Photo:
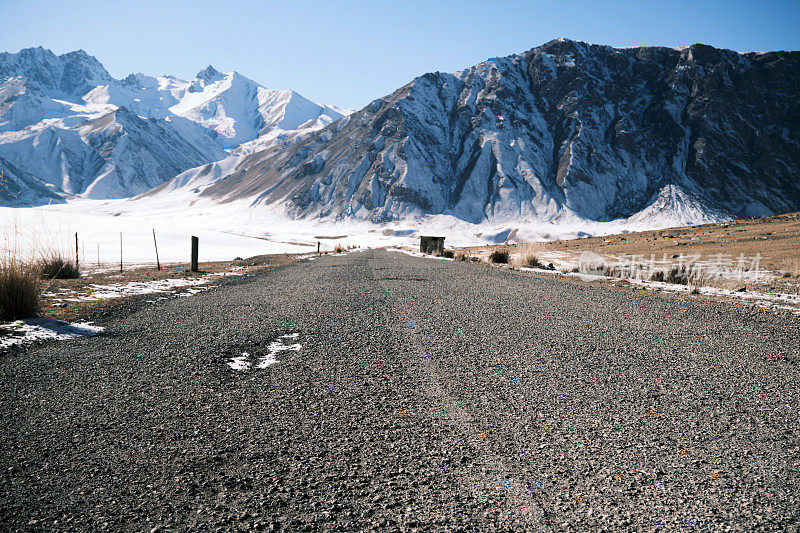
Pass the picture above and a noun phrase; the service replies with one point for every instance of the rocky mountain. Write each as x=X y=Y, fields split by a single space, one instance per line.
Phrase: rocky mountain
x=567 y=130
x=67 y=125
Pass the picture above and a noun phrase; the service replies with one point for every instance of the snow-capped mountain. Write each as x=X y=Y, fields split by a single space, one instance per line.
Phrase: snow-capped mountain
x=66 y=124
x=232 y=108
x=567 y=130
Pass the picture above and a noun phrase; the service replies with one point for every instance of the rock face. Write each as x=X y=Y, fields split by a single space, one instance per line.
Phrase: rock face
x=566 y=130
x=67 y=128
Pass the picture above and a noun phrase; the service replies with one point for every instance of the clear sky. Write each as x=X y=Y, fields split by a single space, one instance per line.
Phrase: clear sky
x=348 y=52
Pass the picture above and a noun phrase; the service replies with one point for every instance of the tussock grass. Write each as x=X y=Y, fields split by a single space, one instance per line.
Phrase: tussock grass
x=20 y=290
x=532 y=261
x=55 y=266
x=339 y=249
x=529 y=256
x=448 y=254
x=680 y=275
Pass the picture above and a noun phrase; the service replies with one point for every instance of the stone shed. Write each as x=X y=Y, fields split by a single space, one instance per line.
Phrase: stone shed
x=431 y=245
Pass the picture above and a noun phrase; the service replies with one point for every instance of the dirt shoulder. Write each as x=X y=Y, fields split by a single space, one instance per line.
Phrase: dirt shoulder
x=102 y=289
x=768 y=247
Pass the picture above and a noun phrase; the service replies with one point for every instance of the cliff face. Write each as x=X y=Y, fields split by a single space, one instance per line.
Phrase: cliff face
x=567 y=129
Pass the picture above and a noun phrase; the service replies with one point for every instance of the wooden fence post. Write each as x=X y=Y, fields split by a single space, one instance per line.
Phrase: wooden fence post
x=158 y=263
x=120 y=251
x=76 y=250
x=195 y=246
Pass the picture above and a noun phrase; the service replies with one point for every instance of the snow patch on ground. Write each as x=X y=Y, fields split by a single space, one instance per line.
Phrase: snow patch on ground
x=135 y=288
x=787 y=302
x=33 y=330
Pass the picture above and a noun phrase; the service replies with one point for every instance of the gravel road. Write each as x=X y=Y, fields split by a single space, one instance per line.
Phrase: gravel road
x=427 y=394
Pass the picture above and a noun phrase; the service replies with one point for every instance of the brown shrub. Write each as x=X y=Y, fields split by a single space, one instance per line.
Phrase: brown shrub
x=499 y=256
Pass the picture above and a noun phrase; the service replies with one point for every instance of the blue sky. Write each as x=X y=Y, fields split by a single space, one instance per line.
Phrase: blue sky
x=346 y=52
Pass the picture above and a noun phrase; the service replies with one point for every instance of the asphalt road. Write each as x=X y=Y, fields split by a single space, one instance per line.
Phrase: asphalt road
x=427 y=394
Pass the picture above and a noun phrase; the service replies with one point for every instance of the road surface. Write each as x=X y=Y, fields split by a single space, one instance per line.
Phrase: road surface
x=426 y=394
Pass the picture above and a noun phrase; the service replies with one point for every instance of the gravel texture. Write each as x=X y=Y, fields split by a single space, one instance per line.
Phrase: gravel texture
x=427 y=394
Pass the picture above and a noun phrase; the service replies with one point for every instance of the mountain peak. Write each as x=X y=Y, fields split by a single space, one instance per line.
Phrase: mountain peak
x=210 y=74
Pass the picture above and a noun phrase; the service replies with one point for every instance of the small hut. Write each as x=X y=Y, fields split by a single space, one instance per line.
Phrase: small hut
x=431 y=245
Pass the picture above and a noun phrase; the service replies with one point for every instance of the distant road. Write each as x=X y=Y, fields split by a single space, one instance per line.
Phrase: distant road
x=428 y=394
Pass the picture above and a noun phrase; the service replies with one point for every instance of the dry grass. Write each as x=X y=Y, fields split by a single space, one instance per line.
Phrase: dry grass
x=339 y=249
x=55 y=266
x=20 y=290
x=448 y=254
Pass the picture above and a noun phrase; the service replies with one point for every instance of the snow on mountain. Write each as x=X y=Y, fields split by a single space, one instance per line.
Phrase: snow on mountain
x=18 y=188
x=232 y=108
x=565 y=131
x=238 y=110
x=65 y=77
x=66 y=121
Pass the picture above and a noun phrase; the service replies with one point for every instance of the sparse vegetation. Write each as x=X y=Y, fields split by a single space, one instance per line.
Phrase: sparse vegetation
x=499 y=256
x=55 y=266
x=448 y=254
x=339 y=249
x=20 y=290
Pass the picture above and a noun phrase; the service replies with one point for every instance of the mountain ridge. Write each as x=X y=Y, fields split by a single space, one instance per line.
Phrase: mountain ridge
x=565 y=129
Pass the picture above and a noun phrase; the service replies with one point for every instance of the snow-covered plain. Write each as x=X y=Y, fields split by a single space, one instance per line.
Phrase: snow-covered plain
x=238 y=229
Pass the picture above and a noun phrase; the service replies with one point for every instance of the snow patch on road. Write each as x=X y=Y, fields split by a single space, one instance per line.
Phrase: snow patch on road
x=241 y=362
x=42 y=329
x=244 y=362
